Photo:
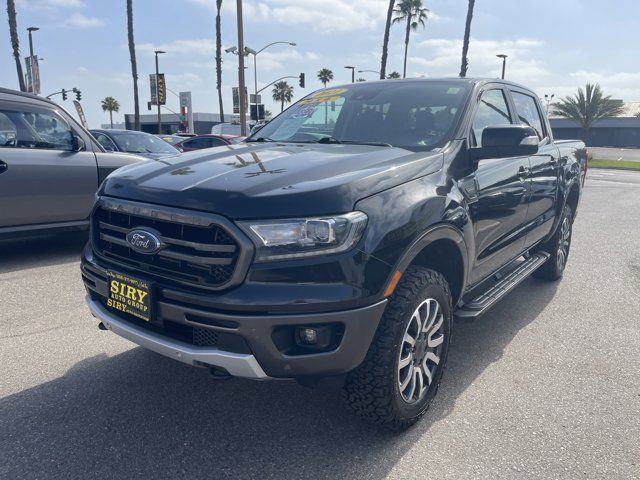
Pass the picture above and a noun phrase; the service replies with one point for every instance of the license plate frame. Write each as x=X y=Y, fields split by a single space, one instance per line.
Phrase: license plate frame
x=131 y=295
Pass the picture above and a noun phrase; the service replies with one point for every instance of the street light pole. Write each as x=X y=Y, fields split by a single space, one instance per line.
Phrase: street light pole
x=158 y=52
x=369 y=71
x=255 y=66
x=31 y=30
x=353 y=73
x=549 y=98
x=504 y=62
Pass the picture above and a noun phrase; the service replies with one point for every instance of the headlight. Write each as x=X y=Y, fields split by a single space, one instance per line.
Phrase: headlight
x=304 y=237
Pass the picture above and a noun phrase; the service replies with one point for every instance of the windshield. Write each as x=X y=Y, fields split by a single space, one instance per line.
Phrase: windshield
x=173 y=139
x=137 y=142
x=416 y=115
x=226 y=129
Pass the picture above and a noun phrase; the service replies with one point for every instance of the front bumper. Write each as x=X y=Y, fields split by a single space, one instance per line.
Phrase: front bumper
x=261 y=357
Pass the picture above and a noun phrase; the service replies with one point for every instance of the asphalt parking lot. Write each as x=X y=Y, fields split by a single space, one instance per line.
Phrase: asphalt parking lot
x=545 y=386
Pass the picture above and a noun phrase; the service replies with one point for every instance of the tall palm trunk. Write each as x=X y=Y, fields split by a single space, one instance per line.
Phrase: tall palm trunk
x=465 y=43
x=385 y=42
x=282 y=105
x=406 y=45
x=111 y=118
x=219 y=59
x=134 y=67
x=15 y=42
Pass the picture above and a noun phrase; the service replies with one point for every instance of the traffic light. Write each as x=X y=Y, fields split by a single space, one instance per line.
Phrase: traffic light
x=302 y=80
x=64 y=94
x=78 y=95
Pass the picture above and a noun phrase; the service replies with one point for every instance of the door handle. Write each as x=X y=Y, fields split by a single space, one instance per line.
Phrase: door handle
x=3 y=167
x=524 y=172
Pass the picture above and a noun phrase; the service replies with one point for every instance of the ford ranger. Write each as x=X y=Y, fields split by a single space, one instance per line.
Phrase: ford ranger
x=339 y=241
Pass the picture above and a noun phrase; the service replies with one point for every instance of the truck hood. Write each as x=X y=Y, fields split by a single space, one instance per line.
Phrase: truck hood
x=270 y=180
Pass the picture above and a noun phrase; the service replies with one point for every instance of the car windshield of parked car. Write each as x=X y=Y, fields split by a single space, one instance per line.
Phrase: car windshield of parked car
x=136 y=142
x=415 y=115
x=226 y=129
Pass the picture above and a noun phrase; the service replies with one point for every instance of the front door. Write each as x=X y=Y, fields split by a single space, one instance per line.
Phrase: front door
x=42 y=179
x=499 y=211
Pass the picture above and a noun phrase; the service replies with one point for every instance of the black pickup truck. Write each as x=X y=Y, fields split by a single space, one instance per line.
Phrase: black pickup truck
x=339 y=242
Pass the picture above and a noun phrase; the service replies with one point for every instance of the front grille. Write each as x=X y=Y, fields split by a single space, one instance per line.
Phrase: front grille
x=200 y=253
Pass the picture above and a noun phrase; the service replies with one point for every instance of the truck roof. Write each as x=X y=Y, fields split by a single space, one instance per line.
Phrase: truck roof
x=466 y=80
x=25 y=95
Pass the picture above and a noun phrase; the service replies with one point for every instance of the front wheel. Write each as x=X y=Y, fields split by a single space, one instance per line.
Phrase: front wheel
x=403 y=368
x=558 y=247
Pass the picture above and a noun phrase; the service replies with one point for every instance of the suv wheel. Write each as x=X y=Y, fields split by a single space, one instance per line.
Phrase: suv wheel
x=403 y=368
x=559 y=247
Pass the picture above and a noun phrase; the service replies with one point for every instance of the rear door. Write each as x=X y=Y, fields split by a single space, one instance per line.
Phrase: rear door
x=42 y=179
x=544 y=170
x=499 y=211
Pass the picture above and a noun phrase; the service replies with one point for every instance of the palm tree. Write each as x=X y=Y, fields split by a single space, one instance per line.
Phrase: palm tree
x=110 y=104
x=393 y=75
x=282 y=92
x=385 y=41
x=587 y=107
x=15 y=42
x=134 y=67
x=219 y=58
x=465 y=42
x=415 y=15
x=325 y=76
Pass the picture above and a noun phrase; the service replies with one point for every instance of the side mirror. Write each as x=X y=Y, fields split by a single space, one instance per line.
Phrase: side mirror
x=509 y=141
x=77 y=143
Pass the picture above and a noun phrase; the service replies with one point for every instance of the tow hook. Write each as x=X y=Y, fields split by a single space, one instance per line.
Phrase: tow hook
x=219 y=374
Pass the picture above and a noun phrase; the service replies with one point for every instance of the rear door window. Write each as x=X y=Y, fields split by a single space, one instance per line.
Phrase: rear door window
x=528 y=113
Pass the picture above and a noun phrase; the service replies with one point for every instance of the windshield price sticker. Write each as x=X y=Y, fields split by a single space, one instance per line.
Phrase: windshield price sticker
x=331 y=95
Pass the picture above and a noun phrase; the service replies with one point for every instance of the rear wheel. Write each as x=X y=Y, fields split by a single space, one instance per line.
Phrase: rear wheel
x=558 y=247
x=404 y=365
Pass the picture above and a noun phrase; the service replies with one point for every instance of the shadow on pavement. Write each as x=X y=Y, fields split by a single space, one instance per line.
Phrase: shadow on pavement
x=139 y=415
x=41 y=251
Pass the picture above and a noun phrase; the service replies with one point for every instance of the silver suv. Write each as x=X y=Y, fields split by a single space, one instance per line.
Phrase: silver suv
x=50 y=167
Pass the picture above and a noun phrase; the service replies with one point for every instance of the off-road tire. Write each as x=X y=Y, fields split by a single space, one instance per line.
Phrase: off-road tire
x=554 y=267
x=372 y=390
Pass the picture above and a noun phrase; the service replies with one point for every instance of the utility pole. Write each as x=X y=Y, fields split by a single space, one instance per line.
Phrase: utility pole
x=242 y=92
x=158 y=52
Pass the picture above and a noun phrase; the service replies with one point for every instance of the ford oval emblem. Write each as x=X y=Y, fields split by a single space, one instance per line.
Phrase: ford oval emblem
x=144 y=241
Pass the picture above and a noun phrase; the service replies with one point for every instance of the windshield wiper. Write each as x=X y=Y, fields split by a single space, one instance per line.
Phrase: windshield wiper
x=330 y=139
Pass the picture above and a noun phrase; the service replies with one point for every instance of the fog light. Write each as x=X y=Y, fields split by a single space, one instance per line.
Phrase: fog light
x=308 y=336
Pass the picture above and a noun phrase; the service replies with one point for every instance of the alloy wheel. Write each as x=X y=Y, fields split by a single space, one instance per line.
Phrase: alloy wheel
x=565 y=241
x=421 y=350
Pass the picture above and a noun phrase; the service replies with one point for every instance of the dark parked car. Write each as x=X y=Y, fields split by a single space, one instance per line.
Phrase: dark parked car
x=203 y=141
x=130 y=141
x=337 y=244
x=50 y=167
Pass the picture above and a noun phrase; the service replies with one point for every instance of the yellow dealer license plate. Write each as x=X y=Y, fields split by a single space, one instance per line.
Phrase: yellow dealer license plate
x=129 y=295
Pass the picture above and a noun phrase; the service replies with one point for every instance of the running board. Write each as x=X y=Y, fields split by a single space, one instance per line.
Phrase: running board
x=488 y=299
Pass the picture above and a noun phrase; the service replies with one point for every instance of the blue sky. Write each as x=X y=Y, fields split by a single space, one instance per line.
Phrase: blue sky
x=553 y=45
